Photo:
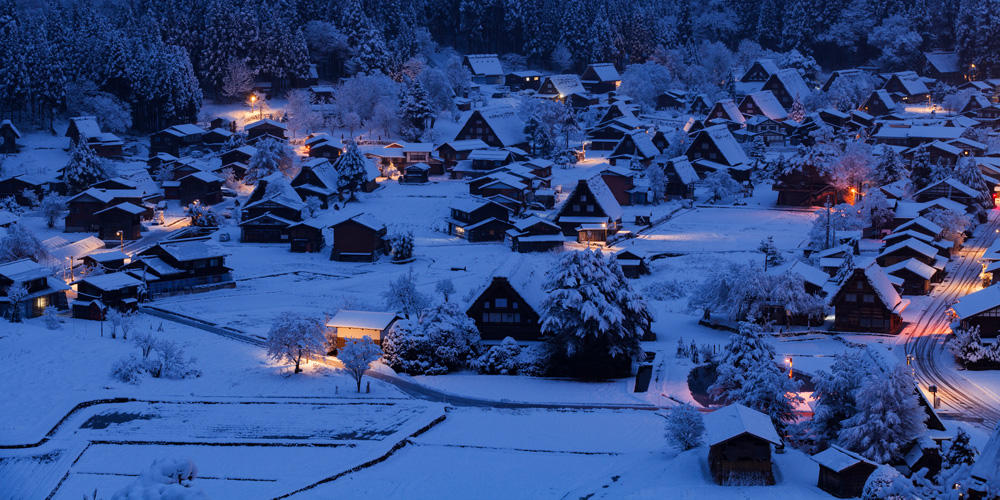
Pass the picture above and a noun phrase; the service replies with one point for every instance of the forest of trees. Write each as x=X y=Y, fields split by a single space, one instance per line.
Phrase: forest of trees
x=155 y=58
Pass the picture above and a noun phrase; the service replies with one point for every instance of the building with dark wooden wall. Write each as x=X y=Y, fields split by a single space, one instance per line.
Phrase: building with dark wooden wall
x=43 y=288
x=739 y=441
x=179 y=267
x=868 y=302
x=8 y=137
x=843 y=473
x=361 y=238
x=501 y=310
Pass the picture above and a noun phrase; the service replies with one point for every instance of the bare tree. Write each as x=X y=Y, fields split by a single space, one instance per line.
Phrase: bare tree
x=238 y=81
x=293 y=337
x=358 y=355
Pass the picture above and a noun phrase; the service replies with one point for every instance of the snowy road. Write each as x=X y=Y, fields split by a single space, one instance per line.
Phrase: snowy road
x=925 y=338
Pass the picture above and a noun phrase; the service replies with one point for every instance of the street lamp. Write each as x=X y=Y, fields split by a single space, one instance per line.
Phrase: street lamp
x=788 y=361
x=253 y=99
x=121 y=238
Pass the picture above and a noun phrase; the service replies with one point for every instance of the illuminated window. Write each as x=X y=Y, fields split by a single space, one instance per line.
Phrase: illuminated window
x=41 y=302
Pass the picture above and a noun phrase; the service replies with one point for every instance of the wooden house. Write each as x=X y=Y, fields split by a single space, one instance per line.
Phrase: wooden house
x=805 y=185
x=879 y=103
x=111 y=260
x=861 y=76
x=739 y=441
x=980 y=309
x=356 y=325
x=241 y=154
x=361 y=238
x=327 y=148
x=788 y=86
x=763 y=103
x=120 y=222
x=454 y=151
x=911 y=248
x=83 y=208
x=502 y=184
x=418 y=173
x=203 y=187
x=508 y=307
x=17 y=186
x=172 y=139
x=523 y=80
x=8 y=137
x=943 y=66
x=867 y=301
x=621 y=181
x=909 y=135
x=728 y=110
x=759 y=71
x=560 y=87
x=317 y=179
x=181 y=267
x=43 y=288
x=485 y=68
x=119 y=291
x=591 y=212
x=270 y=211
x=921 y=225
x=86 y=129
x=843 y=473
x=266 y=227
x=600 y=78
x=672 y=99
x=680 y=175
x=938 y=152
x=216 y=137
x=468 y=213
x=633 y=264
x=306 y=236
x=265 y=128
x=535 y=234
x=498 y=127
x=715 y=148
x=413 y=153
x=909 y=86
x=635 y=147
x=952 y=189
x=915 y=274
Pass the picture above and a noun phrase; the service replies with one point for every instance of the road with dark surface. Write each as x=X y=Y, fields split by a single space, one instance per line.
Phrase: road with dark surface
x=925 y=338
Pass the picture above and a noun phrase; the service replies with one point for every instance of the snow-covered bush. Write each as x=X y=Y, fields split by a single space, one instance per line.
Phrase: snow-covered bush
x=886 y=483
x=129 y=369
x=501 y=359
x=83 y=169
x=271 y=156
x=358 y=355
x=52 y=206
x=969 y=350
x=21 y=243
x=442 y=340
x=446 y=288
x=16 y=294
x=401 y=245
x=666 y=290
x=202 y=215
x=684 y=427
x=168 y=360
x=721 y=186
x=352 y=169
x=165 y=479
x=294 y=337
x=592 y=318
x=51 y=318
x=836 y=391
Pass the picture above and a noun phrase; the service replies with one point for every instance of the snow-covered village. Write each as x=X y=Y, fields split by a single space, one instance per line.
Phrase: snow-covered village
x=494 y=249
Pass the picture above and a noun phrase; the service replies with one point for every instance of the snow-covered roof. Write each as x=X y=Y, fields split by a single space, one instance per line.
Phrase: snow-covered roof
x=124 y=206
x=793 y=83
x=913 y=244
x=466 y=144
x=735 y=420
x=203 y=176
x=643 y=144
x=190 y=250
x=10 y=124
x=954 y=184
x=987 y=466
x=941 y=132
x=106 y=195
x=731 y=110
x=484 y=64
x=526 y=276
x=155 y=264
x=605 y=198
x=489 y=154
x=111 y=281
x=365 y=219
x=23 y=270
x=921 y=222
x=727 y=144
x=839 y=459
x=364 y=320
x=265 y=121
x=809 y=274
x=108 y=256
x=768 y=105
x=566 y=84
x=914 y=266
x=898 y=236
x=188 y=129
x=60 y=249
x=87 y=126
x=504 y=122
x=606 y=72
x=943 y=62
x=977 y=302
x=883 y=287
x=686 y=172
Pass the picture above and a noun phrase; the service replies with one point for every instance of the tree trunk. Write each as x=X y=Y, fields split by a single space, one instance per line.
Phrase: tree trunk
x=358 y=380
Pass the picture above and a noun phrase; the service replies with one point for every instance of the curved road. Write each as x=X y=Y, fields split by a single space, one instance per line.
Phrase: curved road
x=925 y=338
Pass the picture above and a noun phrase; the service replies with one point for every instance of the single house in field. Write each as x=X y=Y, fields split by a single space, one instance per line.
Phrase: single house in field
x=485 y=68
x=868 y=302
x=43 y=289
x=600 y=78
x=8 y=137
x=591 y=212
x=843 y=473
x=359 y=239
x=739 y=441
x=119 y=291
x=980 y=309
x=347 y=324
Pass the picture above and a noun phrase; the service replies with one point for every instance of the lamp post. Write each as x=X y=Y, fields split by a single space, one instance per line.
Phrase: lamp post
x=121 y=238
x=788 y=360
x=253 y=99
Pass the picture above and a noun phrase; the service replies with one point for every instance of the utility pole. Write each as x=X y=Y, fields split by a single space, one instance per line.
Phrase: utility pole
x=828 y=210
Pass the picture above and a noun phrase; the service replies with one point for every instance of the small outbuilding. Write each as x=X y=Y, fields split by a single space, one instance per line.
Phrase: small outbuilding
x=359 y=239
x=843 y=473
x=347 y=324
x=739 y=441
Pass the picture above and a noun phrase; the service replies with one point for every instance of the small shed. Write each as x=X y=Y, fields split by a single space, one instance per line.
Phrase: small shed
x=112 y=259
x=632 y=263
x=418 y=173
x=843 y=473
x=739 y=441
x=120 y=222
x=306 y=236
x=359 y=239
x=348 y=324
x=8 y=137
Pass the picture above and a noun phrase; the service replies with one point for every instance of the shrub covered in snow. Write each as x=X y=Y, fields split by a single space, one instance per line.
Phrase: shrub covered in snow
x=685 y=427
x=165 y=479
x=159 y=359
x=970 y=351
x=442 y=340
x=202 y=215
x=129 y=369
x=401 y=245
x=501 y=359
x=51 y=318
x=21 y=243
x=666 y=290
x=886 y=483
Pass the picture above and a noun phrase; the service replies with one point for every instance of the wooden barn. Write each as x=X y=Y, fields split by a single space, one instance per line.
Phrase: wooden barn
x=356 y=325
x=306 y=236
x=485 y=68
x=739 y=441
x=265 y=128
x=600 y=78
x=8 y=137
x=535 y=234
x=504 y=309
x=361 y=238
x=868 y=302
x=467 y=213
x=204 y=187
x=916 y=276
x=119 y=291
x=843 y=473
x=43 y=288
x=788 y=86
x=591 y=212
x=120 y=222
x=498 y=127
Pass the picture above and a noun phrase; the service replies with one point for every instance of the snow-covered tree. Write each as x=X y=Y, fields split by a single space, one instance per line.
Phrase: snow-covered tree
x=51 y=318
x=202 y=215
x=237 y=82
x=271 y=156
x=83 y=169
x=853 y=169
x=21 y=243
x=403 y=295
x=886 y=483
x=836 y=392
x=645 y=82
x=890 y=167
x=442 y=340
x=401 y=245
x=415 y=107
x=351 y=166
x=968 y=173
x=657 y=183
x=876 y=211
x=721 y=186
x=772 y=256
x=889 y=417
x=684 y=427
x=165 y=479
x=52 y=206
x=357 y=355
x=16 y=294
x=294 y=337
x=969 y=350
x=954 y=224
x=797 y=112
x=84 y=99
x=592 y=318
x=302 y=118
x=898 y=41
x=960 y=451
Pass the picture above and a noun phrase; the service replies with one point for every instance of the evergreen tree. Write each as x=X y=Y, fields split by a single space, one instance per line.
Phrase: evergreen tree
x=960 y=451
x=351 y=166
x=977 y=35
x=772 y=256
x=890 y=167
x=968 y=173
x=889 y=417
x=371 y=53
x=836 y=392
x=83 y=169
x=265 y=161
x=747 y=350
x=798 y=111
x=592 y=318
x=414 y=106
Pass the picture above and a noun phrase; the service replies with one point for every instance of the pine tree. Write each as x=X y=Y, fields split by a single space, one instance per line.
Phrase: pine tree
x=83 y=169
x=772 y=256
x=371 y=54
x=960 y=451
x=798 y=111
x=968 y=173
x=264 y=162
x=889 y=417
x=977 y=35
x=890 y=167
x=592 y=318
x=351 y=166
x=414 y=107
x=836 y=392
x=746 y=350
